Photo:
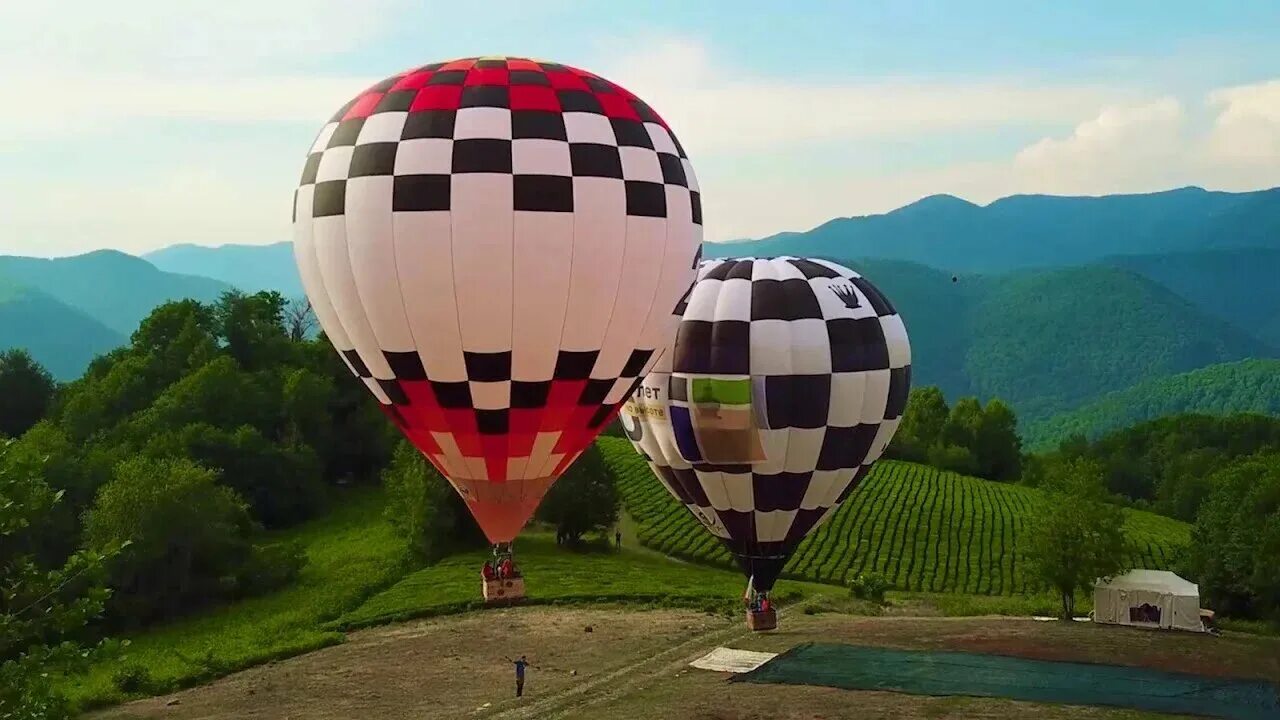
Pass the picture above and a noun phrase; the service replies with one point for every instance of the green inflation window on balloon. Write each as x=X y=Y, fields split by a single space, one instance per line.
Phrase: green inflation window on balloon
x=723 y=392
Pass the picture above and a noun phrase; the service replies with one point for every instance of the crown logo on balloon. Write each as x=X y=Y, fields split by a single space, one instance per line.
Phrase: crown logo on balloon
x=846 y=295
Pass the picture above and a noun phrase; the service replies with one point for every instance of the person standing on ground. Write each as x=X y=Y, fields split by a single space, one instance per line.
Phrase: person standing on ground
x=617 y=538
x=520 y=664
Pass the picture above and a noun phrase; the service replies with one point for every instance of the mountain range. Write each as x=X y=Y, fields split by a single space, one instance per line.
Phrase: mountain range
x=1080 y=312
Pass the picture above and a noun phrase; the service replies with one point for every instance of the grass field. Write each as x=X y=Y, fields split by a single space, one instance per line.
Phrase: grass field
x=351 y=553
x=961 y=534
x=925 y=530
x=557 y=576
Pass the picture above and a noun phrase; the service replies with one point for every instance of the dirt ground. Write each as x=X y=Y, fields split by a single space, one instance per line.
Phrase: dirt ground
x=635 y=665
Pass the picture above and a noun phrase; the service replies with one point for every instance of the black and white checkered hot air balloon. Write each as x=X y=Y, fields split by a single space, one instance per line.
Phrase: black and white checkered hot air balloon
x=787 y=379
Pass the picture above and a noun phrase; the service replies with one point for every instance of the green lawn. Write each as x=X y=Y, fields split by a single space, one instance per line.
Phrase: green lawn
x=555 y=575
x=924 y=529
x=351 y=553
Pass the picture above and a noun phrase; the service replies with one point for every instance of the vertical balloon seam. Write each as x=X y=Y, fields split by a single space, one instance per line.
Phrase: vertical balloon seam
x=334 y=315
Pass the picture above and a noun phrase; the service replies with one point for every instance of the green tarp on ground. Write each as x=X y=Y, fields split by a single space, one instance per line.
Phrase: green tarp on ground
x=855 y=667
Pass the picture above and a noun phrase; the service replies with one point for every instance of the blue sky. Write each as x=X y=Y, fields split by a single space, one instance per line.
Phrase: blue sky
x=143 y=123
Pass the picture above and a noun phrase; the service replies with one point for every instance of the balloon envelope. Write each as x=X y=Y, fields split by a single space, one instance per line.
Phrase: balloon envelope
x=786 y=381
x=495 y=247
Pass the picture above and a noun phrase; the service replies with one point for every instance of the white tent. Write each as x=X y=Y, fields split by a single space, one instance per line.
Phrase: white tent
x=1148 y=598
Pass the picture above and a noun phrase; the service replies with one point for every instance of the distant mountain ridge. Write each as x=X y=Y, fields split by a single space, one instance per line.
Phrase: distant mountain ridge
x=116 y=289
x=248 y=267
x=1024 y=231
x=1047 y=341
x=1115 y=293
x=60 y=338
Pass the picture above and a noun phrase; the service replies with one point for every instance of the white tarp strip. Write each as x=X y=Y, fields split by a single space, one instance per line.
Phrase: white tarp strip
x=729 y=660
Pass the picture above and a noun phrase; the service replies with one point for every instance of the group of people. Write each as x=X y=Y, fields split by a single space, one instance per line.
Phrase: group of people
x=759 y=603
x=500 y=569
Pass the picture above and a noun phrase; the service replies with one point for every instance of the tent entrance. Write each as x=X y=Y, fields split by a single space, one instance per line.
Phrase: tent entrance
x=1145 y=614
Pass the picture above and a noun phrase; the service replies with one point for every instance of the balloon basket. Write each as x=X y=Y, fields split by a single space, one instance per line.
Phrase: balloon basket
x=760 y=620
x=499 y=590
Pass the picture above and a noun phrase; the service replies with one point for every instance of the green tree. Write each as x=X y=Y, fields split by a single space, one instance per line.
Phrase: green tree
x=922 y=423
x=996 y=446
x=281 y=482
x=1077 y=535
x=1235 y=544
x=43 y=608
x=253 y=327
x=422 y=506
x=189 y=535
x=583 y=500
x=26 y=392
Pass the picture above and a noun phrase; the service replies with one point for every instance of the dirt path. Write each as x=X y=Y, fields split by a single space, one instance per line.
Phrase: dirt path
x=633 y=664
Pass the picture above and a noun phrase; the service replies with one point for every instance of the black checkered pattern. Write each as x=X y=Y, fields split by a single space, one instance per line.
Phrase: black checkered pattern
x=441 y=208
x=829 y=361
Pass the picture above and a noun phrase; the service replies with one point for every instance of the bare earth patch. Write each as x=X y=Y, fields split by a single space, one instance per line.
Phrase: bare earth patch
x=634 y=665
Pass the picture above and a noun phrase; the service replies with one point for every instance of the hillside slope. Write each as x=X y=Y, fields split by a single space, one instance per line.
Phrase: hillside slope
x=1036 y=230
x=116 y=289
x=60 y=338
x=1054 y=340
x=1237 y=285
x=1244 y=386
x=924 y=529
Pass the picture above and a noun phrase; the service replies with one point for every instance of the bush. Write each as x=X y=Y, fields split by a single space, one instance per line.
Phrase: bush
x=424 y=508
x=271 y=567
x=189 y=537
x=131 y=679
x=870 y=586
x=583 y=500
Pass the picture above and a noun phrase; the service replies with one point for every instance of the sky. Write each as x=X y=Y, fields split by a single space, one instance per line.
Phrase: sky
x=139 y=124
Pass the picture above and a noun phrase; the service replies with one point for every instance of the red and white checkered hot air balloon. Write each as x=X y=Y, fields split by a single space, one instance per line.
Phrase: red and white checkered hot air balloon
x=495 y=246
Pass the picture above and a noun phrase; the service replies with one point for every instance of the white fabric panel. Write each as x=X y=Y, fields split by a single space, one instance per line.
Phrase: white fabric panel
x=335 y=164
x=895 y=336
x=815 y=495
x=717 y=491
x=330 y=241
x=599 y=238
x=847 y=392
x=738 y=488
x=482 y=259
x=424 y=156
x=646 y=240
x=304 y=253
x=322 y=141
x=424 y=267
x=803 y=448
x=543 y=257
x=482 y=122
x=539 y=156
x=703 y=299
x=733 y=300
x=772 y=526
x=876 y=397
x=774 y=443
x=844 y=271
x=884 y=434
x=641 y=164
x=490 y=395
x=810 y=347
x=661 y=138
x=382 y=127
x=584 y=127
x=371 y=245
x=660 y=327
x=771 y=347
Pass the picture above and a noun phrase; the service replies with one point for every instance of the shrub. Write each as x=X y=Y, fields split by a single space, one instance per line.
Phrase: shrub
x=869 y=586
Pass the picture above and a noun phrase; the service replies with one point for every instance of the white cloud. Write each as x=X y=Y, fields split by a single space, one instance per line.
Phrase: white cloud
x=718 y=110
x=1247 y=129
x=1142 y=147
